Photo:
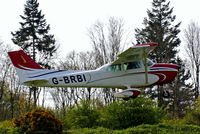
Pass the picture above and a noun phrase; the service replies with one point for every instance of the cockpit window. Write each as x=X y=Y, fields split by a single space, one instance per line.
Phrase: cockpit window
x=114 y=68
x=149 y=62
x=132 y=65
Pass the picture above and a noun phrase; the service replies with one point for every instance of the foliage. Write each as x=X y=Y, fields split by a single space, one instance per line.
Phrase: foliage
x=34 y=34
x=99 y=130
x=182 y=93
x=39 y=121
x=7 y=127
x=34 y=38
x=143 y=129
x=193 y=115
x=160 y=27
x=124 y=114
x=82 y=115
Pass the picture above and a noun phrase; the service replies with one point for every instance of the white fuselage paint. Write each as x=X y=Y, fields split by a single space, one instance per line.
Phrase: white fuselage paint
x=94 y=78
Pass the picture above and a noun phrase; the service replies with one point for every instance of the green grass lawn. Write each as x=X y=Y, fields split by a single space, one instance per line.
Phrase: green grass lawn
x=142 y=129
x=6 y=127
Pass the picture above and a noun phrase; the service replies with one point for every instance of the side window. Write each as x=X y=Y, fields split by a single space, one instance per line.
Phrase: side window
x=114 y=68
x=132 y=65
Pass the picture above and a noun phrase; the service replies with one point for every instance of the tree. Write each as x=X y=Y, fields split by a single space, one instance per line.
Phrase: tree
x=192 y=48
x=34 y=38
x=10 y=91
x=182 y=95
x=64 y=97
x=159 y=27
x=107 y=42
x=4 y=66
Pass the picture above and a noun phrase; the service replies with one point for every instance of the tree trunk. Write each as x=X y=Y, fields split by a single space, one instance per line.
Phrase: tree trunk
x=160 y=97
x=197 y=83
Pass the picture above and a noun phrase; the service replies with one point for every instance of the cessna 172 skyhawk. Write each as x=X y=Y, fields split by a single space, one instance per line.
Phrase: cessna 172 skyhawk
x=131 y=70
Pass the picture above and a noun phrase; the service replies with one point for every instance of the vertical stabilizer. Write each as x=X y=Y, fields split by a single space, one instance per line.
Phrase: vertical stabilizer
x=23 y=64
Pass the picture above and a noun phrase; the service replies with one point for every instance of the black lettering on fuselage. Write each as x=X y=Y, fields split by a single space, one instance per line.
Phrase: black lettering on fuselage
x=79 y=78
x=66 y=79
x=55 y=81
x=70 y=79
x=84 y=77
x=73 y=79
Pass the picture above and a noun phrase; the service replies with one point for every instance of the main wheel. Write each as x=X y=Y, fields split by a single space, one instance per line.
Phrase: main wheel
x=126 y=99
x=165 y=94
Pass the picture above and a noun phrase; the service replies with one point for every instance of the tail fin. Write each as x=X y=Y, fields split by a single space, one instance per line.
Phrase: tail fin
x=23 y=64
x=22 y=61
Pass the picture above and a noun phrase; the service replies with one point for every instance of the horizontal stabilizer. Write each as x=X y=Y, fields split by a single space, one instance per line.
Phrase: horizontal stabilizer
x=36 y=82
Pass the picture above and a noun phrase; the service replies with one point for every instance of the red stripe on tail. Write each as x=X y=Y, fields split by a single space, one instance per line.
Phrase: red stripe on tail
x=22 y=61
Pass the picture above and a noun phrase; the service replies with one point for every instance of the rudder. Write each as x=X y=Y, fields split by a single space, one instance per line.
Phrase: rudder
x=22 y=61
x=24 y=65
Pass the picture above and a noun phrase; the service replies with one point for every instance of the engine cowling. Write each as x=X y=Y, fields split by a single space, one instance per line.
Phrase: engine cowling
x=129 y=93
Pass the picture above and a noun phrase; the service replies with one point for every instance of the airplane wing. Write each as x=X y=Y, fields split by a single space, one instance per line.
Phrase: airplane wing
x=135 y=53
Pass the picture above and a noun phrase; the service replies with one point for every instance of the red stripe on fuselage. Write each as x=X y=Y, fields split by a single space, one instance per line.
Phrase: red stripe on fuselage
x=167 y=75
x=174 y=66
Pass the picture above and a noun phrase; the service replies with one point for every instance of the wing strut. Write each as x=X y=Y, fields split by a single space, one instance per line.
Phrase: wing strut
x=145 y=64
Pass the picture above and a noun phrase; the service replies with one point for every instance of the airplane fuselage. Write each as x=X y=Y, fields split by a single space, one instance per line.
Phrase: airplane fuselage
x=132 y=69
x=157 y=74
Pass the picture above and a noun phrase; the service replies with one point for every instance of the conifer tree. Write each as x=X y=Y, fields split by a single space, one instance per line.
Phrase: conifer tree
x=182 y=92
x=34 y=38
x=160 y=27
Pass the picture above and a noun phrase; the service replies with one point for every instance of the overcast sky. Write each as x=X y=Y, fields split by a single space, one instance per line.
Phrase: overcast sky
x=69 y=19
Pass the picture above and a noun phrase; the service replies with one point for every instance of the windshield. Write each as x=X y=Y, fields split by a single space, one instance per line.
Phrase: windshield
x=113 y=68
x=126 y=66
x=149 y=62
x=132 y=65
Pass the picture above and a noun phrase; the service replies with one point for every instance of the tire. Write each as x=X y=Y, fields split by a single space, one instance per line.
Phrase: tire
x=126 y=99
x=166 y=94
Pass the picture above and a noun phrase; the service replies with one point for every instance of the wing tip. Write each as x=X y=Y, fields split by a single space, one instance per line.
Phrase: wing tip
x=146 y=44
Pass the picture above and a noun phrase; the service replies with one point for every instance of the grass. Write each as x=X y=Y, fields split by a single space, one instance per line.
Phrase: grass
x=6 y=127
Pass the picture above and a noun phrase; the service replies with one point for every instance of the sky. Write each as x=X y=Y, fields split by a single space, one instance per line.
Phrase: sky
x=70 y=19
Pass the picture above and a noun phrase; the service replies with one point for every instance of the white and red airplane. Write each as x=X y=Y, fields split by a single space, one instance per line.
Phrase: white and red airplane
x=131 y=70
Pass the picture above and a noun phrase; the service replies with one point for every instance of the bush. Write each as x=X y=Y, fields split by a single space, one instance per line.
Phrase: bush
x=5 y=126
x=38 y=121
x=83 y=115
x=193 y=115
x=143 y=129
x=99 y=130
x=124 y=114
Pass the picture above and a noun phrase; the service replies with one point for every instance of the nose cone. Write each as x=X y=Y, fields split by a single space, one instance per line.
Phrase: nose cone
x=165 y=72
